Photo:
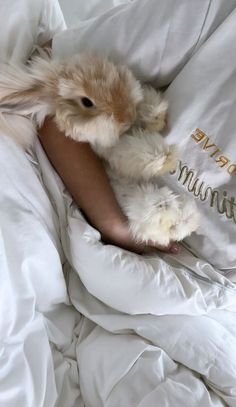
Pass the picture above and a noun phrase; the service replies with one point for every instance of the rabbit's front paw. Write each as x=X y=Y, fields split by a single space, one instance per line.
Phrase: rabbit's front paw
x=171 y=218
x=152 y=111
x=156 y=118
x=187 y=222
x=170 y=159
x=159 y=120
x=152 y=212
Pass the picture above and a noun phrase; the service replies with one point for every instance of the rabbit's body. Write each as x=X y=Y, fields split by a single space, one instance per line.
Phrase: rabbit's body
x=133 y=165
x=95 y=101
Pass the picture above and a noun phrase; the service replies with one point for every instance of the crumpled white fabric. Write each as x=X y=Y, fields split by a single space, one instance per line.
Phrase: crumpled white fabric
x=155 y=321
x=45 y=340
x=38 y=315
x=79 y=10
x=36 y=321
x=83 y=324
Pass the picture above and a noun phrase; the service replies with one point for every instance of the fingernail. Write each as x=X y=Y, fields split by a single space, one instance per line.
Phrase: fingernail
x=175 y=249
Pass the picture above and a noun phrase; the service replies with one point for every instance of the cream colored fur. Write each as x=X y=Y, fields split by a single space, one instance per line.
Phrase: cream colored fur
x=57 y=88
x=95 y=101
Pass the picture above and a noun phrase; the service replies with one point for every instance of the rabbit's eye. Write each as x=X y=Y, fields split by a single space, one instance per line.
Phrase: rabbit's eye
x=86 y=102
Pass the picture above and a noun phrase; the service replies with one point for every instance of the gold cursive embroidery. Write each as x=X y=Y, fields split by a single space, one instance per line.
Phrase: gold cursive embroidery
x=221 y=160
x=224 y=204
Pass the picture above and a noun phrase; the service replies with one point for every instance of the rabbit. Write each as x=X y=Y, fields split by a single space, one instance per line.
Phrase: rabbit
x=93 y=100
x=134 y=164
x=142 y=153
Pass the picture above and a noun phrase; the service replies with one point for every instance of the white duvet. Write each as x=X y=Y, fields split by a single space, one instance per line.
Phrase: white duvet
x=87 y=324
x=141 y=331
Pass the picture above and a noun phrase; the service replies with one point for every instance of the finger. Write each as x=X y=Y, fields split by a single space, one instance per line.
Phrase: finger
x=173 y=248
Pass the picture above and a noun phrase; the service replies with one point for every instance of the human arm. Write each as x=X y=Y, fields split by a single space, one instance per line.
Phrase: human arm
x=84 y=175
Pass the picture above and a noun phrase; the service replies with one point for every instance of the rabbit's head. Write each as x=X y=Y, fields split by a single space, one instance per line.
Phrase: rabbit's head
x=96 y=100
x=92 y=99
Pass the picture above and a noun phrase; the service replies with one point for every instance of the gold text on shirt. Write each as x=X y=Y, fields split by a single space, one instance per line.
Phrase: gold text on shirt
x=224 y=204
x=214 y=151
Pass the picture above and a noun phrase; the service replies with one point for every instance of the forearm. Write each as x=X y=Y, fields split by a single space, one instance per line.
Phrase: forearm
x=83 y=174
x=85 y=178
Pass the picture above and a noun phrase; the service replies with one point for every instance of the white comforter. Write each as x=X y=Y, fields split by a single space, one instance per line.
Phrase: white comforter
x=153 y=332
x=83 y=324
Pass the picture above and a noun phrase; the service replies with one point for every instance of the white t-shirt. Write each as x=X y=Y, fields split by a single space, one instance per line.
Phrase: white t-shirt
x=191 y=47
x=203 y=123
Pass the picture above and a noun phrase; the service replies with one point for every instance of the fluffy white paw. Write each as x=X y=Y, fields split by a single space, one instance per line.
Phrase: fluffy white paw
x=141 y=155
x=152 y=112
x=158 y=119
x=159 y=215
x=187 y=222
x=170 y=159
x=151 y=211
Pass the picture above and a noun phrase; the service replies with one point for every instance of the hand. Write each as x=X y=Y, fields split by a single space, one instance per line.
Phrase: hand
x=118 y=233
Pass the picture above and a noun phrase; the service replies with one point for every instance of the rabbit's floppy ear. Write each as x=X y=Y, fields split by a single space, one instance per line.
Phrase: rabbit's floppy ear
x=68 y=90
x=19 y=91
x=17 y=104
